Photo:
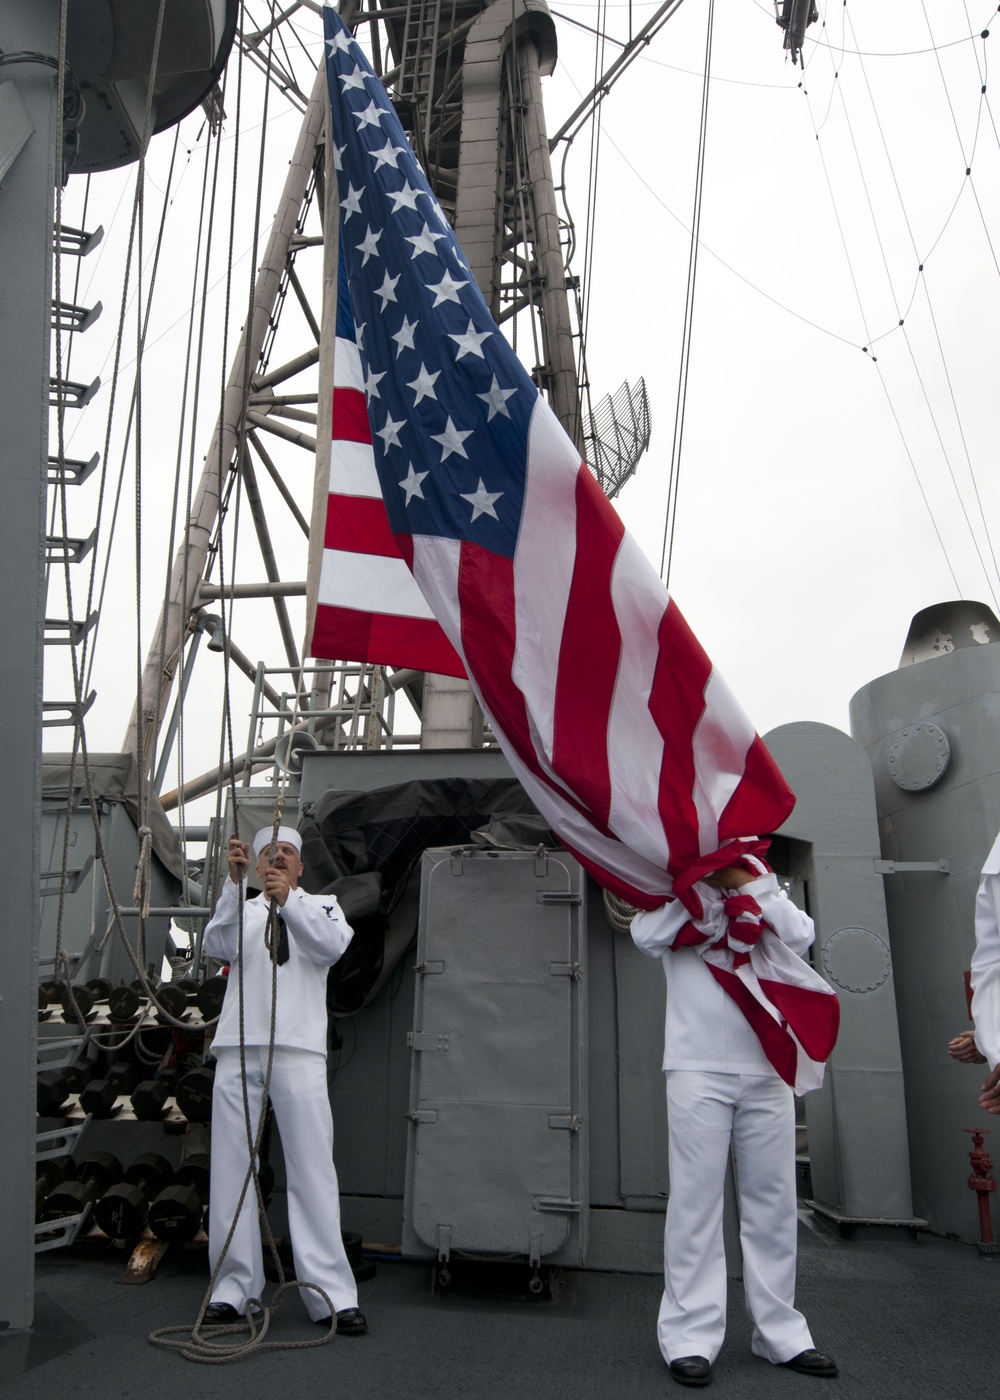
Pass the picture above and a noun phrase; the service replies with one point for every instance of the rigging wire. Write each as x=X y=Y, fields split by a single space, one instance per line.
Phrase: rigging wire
x=673 y=480
x=901 y=326
x=921 y=281
x=967 y=161
x=861 y=312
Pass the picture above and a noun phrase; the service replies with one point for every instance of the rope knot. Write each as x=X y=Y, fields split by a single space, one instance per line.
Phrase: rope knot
x=143 y=871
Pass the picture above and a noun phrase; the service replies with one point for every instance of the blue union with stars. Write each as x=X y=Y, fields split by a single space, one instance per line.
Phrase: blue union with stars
x=449 y=402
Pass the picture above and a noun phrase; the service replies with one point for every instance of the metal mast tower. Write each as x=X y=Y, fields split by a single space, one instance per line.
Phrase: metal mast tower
x=465 y=79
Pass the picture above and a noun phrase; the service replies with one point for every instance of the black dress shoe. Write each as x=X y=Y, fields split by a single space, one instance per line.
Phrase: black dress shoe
x=222 y=1312
x=351 y=1322
x=812 y=1363
x=691 y=1370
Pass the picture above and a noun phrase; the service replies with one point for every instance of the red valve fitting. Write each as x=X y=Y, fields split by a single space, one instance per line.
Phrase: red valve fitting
x=980 y=1182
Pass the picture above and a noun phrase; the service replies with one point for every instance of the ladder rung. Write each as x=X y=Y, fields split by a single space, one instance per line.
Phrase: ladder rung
x=73 y=713
x=71 y=470
x=70 y=393
x=63 y=549
x=75 y=631
x=68 y=317
x=75 y=241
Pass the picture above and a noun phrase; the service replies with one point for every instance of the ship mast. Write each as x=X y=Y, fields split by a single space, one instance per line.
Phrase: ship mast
x=470 y=97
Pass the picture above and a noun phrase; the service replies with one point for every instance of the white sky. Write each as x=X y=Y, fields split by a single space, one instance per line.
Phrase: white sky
x=804 y=545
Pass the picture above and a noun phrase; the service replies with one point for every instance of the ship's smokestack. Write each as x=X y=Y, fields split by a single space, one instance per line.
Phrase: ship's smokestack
x=946 y=627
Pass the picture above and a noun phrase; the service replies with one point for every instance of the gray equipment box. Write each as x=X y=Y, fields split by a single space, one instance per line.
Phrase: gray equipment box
x=496 y=1159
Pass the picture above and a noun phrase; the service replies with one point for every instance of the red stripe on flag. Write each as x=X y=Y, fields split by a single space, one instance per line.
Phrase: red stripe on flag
x=359 y=525
x=813 y=1016
x=384 y=640
x=350 y=416
x=404 y=547
x=589 y=653
x=777 y=1044
x=486 y=606
x=676 y=702
x=762 y=797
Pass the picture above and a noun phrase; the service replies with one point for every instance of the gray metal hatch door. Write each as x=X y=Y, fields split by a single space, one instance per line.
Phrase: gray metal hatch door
x=495 y=1150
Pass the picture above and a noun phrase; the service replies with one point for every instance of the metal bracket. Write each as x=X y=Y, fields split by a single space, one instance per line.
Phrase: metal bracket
x=541 y=862
x=535 y=1248
x=443 y=1243
x=558 y=897
x=427 y=1040
x=557 y=1205
x=429 y=969
x=569 y=1122
x=573 y=970
x=457 y=861
x=422 y=1115
x=903 y=867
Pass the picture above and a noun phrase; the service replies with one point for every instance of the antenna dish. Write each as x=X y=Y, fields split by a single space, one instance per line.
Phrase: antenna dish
x=618 y=436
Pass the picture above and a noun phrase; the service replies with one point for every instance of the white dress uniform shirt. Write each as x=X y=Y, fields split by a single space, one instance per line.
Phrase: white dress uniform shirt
x=318 y=936
x=705 y=1029
x=986 y=960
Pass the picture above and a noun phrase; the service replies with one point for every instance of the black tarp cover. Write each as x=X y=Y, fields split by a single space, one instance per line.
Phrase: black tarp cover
x=363 y=847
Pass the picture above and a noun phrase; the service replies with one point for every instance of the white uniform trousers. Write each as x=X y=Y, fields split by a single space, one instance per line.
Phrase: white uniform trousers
x=302 y=1108
x=756 y=1113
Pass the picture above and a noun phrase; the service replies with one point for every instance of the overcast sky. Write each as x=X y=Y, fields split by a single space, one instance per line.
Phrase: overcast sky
x=837 y=468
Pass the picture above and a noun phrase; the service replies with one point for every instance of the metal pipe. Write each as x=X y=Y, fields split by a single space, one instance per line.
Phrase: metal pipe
x=168 y=743
x=562 y=382
x=211 y=592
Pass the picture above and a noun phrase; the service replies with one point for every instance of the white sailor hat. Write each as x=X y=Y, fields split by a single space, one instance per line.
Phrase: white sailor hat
x=285 y=833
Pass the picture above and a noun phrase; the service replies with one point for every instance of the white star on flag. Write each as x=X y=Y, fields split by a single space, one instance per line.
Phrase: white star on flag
x=424 y=241
x=388 y=155
x=411 y=484
x=497 y=400
x=390 y=433
x=387 y=291
x=451 y=440
x=340 y=43
x=404 y=336
x=423 y=385
x=368 y=245
x=370 y=116
x=445 y=290
x=351 y=204
x=469 y=343
x=482 y=500
x=371 y=384
x=353 y=80
x=406 y=198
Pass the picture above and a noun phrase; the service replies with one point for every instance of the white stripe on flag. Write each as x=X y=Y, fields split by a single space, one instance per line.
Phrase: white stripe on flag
x=352 y=470
x=722 y=739
x=350 y=580
x=635 y=744
x=347 y=373
x=543 y=568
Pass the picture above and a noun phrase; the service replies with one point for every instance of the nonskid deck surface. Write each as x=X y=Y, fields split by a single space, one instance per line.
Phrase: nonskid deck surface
x=907 y=1320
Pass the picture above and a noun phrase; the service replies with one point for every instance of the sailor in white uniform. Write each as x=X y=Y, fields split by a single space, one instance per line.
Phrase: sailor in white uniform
x=312 y=934
x=722 y=1090
x=982 y=1046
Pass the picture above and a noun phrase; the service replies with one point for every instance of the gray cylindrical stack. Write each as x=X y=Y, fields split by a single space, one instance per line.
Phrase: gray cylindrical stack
x=931 y=730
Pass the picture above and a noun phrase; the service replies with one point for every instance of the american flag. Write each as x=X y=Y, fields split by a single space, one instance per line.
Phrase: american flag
x=610 y=713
